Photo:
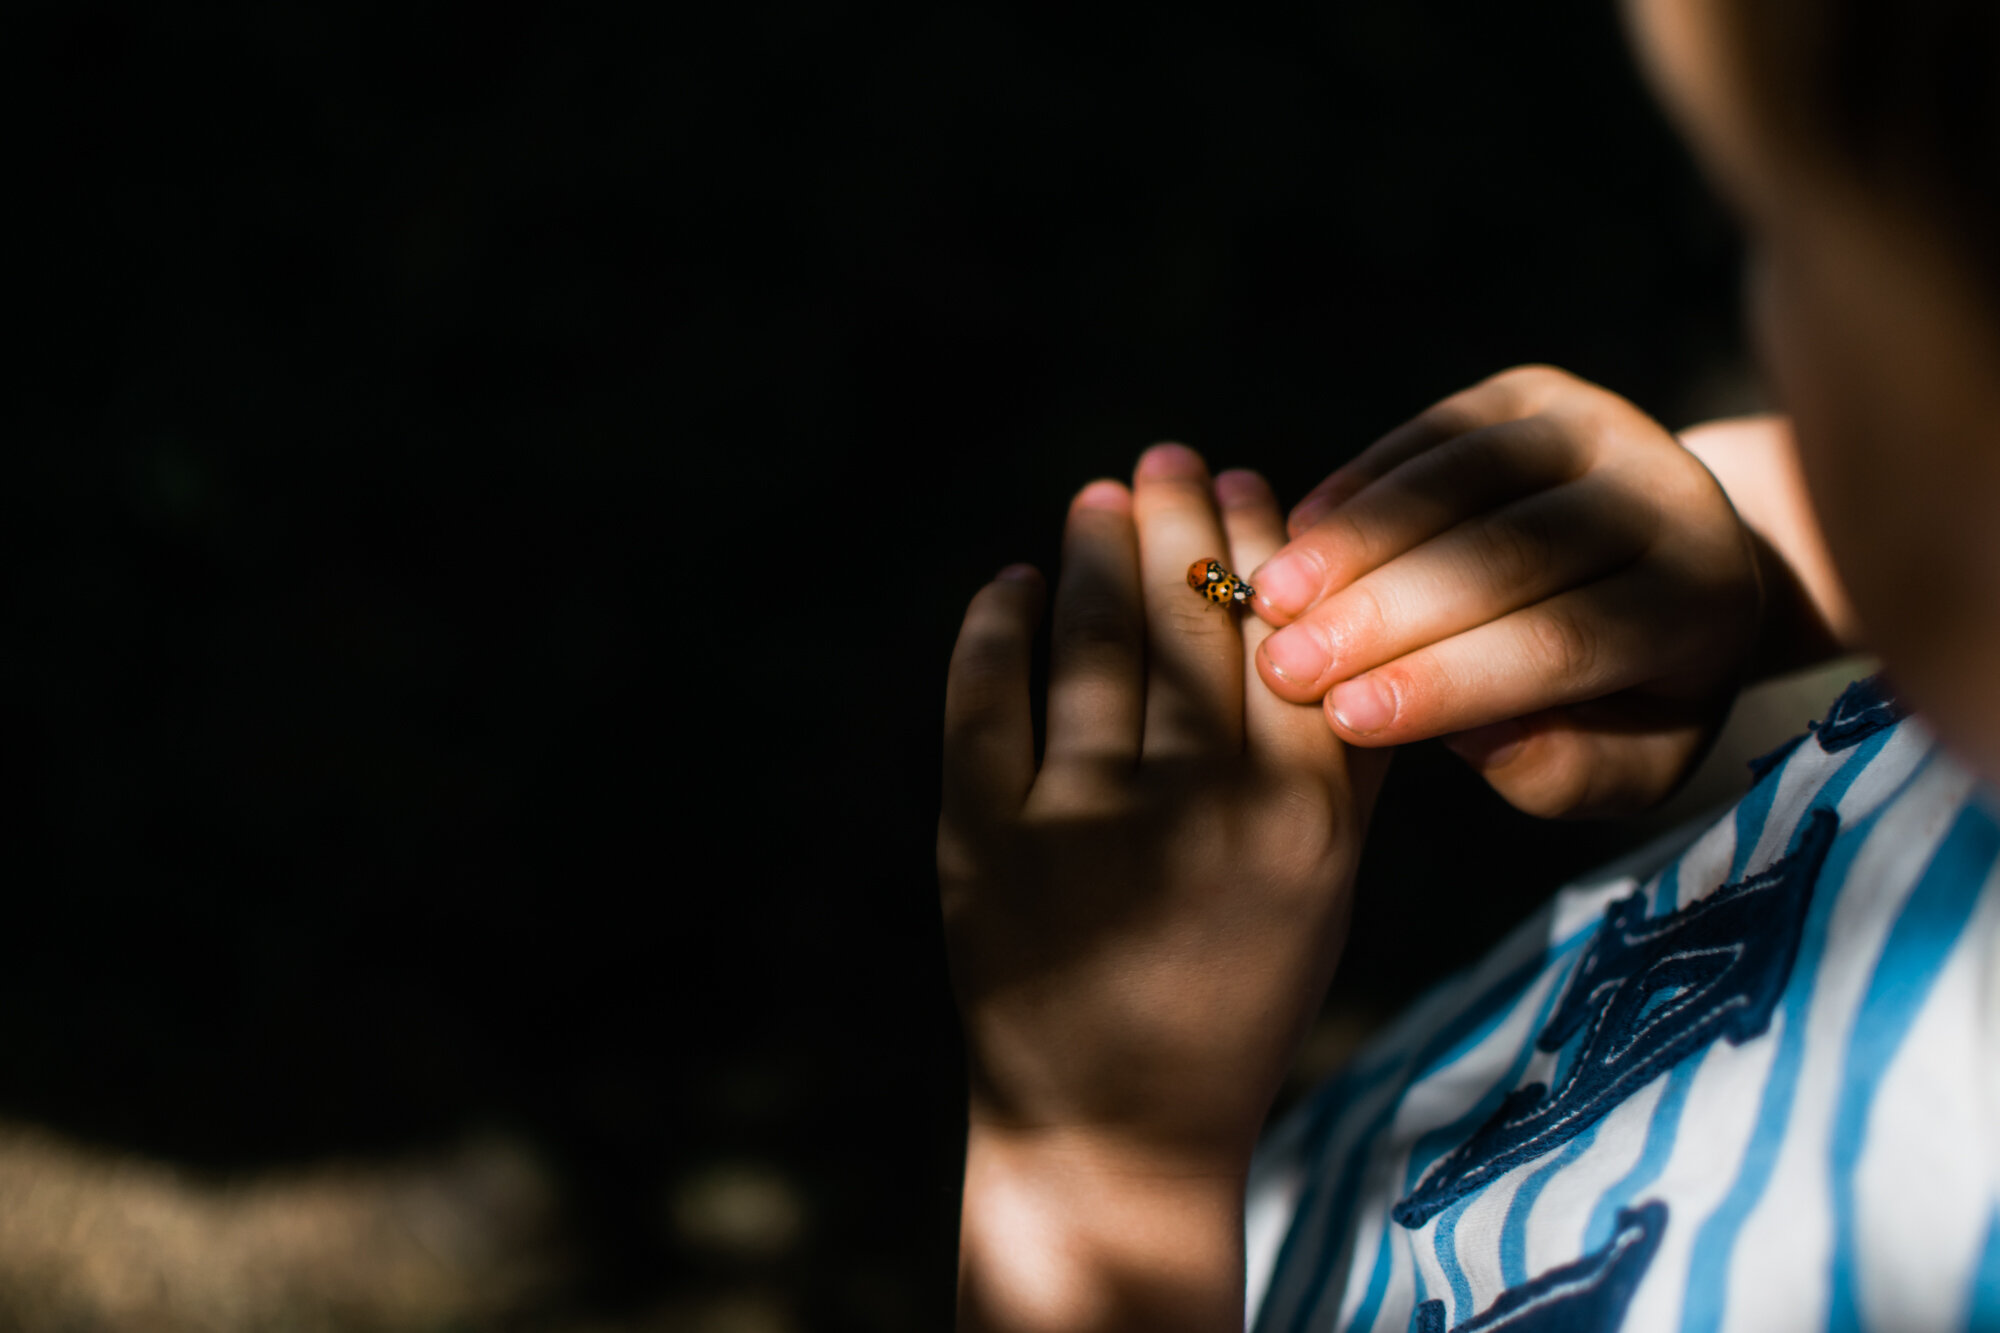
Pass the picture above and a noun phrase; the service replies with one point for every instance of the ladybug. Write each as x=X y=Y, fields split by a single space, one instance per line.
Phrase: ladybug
x=1212 y=581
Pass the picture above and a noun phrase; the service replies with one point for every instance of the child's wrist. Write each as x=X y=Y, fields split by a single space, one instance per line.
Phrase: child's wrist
x=1075 y=1231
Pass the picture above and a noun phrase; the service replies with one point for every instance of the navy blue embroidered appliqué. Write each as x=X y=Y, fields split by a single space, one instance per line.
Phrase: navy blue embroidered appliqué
x=1588 y=1296
x=1647 y=993
x=1863 y=708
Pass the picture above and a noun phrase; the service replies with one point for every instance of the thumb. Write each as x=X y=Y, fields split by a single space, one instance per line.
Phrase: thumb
x=1573 y=762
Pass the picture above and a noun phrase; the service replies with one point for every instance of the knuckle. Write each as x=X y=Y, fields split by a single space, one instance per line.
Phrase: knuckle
x=1528 y=387
x=1552 y=447
x=1083 y=785
x=1562 y=647
x=1361 y=615
x=1478 y=459
x=1496 y=461
x=1541 y=377
x=1685 y=486
x=1514 y=553
x=1523 y=372
x=1597 y=438
x=1306 y=832
x=1455 y=416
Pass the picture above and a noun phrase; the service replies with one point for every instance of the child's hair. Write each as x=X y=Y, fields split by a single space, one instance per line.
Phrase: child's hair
x=1899 y=95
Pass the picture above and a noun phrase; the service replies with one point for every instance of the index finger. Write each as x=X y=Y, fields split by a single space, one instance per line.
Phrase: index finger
x=1272 y=725
x=1427 y=495
x=1508 y=396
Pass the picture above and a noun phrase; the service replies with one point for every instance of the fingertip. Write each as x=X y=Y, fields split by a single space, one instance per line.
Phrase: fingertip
x=1261 y=606
x=1288 y=688
x=1105 y=494
x=1346 y=735
x=1024 y=587
x=1290 y=582
x=1241 y=488
x=1170 y=461
x=1363 y=708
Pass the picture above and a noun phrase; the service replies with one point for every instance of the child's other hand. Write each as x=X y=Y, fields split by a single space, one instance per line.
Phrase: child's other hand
x=1535 y=569
x=1141 y=926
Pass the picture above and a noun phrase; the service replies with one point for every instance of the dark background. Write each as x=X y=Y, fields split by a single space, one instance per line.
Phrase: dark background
x=492 y=493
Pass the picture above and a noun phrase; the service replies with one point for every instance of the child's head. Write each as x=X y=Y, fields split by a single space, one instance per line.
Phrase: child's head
x=1859 y=141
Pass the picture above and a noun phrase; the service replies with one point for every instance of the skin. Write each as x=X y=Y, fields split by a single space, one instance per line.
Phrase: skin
x=1534 y=570
x=1140 y=925
x=1539 y=570
x=1868 y=325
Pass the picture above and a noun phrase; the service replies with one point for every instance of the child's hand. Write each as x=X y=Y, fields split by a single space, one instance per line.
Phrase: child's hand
x=1140 y=927
x=1536 y=566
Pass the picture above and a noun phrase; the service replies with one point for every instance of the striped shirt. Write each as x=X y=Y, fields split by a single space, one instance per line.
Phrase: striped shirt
x=1749 y=1084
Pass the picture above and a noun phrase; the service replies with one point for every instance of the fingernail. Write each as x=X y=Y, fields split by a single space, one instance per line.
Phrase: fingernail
x=1020 y=574
x=1294 y=655
x=1170 y=460
x=1287 y=583
x=1363 y=705
x=1239 y=488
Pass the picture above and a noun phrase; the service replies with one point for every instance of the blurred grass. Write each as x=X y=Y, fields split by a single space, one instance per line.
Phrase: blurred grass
x=94 y=1239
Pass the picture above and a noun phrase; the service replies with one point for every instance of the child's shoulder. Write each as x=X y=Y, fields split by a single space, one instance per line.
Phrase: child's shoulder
x=1766 y=1044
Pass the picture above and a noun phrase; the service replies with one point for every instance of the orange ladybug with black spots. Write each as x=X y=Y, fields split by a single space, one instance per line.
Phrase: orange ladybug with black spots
x=1218 y=585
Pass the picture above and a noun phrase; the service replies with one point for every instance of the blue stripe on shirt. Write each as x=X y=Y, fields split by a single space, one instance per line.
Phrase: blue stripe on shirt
x=1708 y=1264
x=1437 y=1142
x=1514 y=1232
x=1660 y=1135
x=1752 y=812
x=1985 y=1311
x=1471 y=1025
x=1331 y=1107
x=1667 y=891
x=1445 y=1246
x=1925 y=931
